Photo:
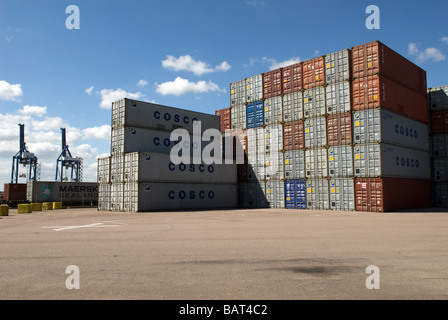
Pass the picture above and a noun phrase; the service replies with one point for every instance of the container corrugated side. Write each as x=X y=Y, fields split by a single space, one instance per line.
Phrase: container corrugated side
x=117 y=197
x=272 y=83
x=273 y=110
x=339 y=129
x=292 y=78
x=75 y=193
x=338 y=98
x=224 y=119
x=292 y=106
x=255 y=114
x=317 y=196
x=275 y=193
x=104 y=169
x=15 y=191
x=293 y=135
x=340 y=161
x=391 y=194
x=294 y=166
x=273 y=138
x=104 y=197
x=315 y=132
x=238 y=117
x=274 y=169
x=314 y=102
x=342 y=194
x=379 y=125
x=338 y=66
x=254 y=88
x=440 y=194
x=256 y=192
x=439 y=169
x=238 y=93
x=316 y=163
x=117 y=168
x=438 y=98
x=295 y=194
x=439 y=145
x=386 y=160
x=313 y=73
x=439 y=121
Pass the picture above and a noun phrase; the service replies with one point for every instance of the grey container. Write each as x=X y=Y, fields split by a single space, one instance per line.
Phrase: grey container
x=238 y=118
x=439 y=194
x=117 y=197
x=274 y=169
x=292 y=106
x=316 y=163
x=315 y=132
x=104 y=197
x=256 y=193
x=294 y=164
x=133 y=113
x=117 y=169
x=439 y=169
x=438 y=98
x=103 y=170
x=337 y=66
x=389 y=161
x=439 y=145
x=273 y=110
x=314 y=102
x=256 y=167
x=251 y=136
x=273 y=138
x=342 y=194
x=338 y=98
x=157 y=167
x=238 y=93
x=317 y=196
x=159 y=196
x=340 y=161
x=74 y=193
x=275 y=193
x=379 y=125
x=254 y=88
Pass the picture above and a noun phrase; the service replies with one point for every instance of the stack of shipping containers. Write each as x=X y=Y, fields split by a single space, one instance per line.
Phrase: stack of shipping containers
x=344 y=131
x=140 y=174
x=438 y=110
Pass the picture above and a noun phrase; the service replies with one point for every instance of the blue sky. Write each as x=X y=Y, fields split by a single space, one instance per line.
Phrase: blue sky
x=178 y=53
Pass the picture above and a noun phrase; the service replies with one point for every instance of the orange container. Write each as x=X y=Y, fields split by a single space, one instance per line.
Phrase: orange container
x=293 y=136
x=272 y=83
x=224 y=116
x=292 y=78
x=339 y=129
x=313 y=73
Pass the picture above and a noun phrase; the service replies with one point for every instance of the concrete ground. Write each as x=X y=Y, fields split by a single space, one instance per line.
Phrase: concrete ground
x=262 y=254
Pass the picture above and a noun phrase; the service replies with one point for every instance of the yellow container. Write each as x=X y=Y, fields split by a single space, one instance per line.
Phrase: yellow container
x=47 y=206
x=4 y=210
x=24 y=208
x=36 y=206
x=57 y=205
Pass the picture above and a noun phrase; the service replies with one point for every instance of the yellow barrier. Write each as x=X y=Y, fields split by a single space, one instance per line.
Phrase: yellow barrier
x=47 y=206
x=57 y=205
x=36 y=206
x=4 y=210
x=24 y=208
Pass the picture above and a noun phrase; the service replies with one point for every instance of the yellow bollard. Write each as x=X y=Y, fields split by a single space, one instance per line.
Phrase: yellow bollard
x=4 y=210
x=36 y=206
x=24 y=208
x=57 y=205
x=47 y=206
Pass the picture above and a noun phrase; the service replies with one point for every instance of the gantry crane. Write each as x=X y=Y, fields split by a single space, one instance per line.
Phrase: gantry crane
x=65 y=160
x=25 y=158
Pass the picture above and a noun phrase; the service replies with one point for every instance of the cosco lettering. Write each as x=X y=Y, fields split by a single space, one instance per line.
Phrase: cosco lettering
x=176 y=117
x=192 y=194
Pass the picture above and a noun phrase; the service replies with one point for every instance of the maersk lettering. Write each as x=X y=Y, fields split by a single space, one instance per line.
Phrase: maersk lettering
x=89 y=189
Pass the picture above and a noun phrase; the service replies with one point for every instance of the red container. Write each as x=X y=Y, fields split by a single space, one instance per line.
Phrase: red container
x=14 y=192
x=272 y=83
x=224 y=116
x=293 y=136
x=439 y=121
x=376 y=58
x=313 y=73
x=391 y=194
x=339 y=129
x=378 y=91
x=292 y=78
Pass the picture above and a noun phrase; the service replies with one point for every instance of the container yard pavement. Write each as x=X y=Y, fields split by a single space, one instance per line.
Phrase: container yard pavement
x=230 y=254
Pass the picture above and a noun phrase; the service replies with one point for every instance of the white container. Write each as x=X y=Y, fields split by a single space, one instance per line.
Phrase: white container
x=275 y=194
x=254 y=88
x=238 y=117
x=292 y=106
x=389 y=161
x=315 y=132
x=238 y=93
x=317 y=196
x=316 y=163
x=342 y=194
x=379 y=125
x=314 y=102
x=69 y=193
x=338 y=98
x=117 y=197
x=337 y=66
x=251 y=135
x=273 y=110
x=340 y=161
x=294 y=164
x=438 y=98
x=273 y=138
x=104 y=197
x=103 y=170
x=117 y=169
x=274 y=169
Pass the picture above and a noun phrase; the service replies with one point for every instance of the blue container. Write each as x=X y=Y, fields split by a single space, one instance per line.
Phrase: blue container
x=259 y=113
x=250 y=115
x=295 y=194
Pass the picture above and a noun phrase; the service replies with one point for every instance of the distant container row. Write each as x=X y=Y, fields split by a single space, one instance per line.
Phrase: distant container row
x=346 y=65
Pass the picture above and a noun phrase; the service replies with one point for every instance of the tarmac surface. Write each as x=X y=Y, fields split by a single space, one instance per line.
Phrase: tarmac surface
x=267 y=254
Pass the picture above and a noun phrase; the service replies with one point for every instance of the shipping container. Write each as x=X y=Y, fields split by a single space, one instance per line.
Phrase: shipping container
x=440 y=194
x=386 y=160
x=273 y=110
x=236 y=143
x=256 y=195
x=15 y=192
x=238 y=117
x=292 y=107
x=378 y=125
x=251 y=136
x=224 y=119
x=439 y=169
x=439 y=145
x=260 y=167
x=313 y=73
x=293 y=135
x=315 y=132
x=238 y=93
x=314 y=102
x=338 y=98
x=272 y=83
x=342 y=194
x=117 y=197
x=242 y=171
x=338 y=67
x=295 y=194
x=439 y=121
x=294 y=166
x=340 y=161
x=255 y=114
x=438 y=98
x=140 y=114
x=339 y=129
x=377 y=91
x=316 y=163
x=104 y=170
x=292 y=79
x=254 y=88
x=273 y=137
x=69 y=193
x=375 y=58
x=104 y=197
x=391 y=194
x=275 y=194
x=317 y=196
x=117 y=169
x=274 y=169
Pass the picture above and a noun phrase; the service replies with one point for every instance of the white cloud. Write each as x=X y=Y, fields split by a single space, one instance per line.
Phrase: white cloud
x=102 y=132
x=274 y=64
x=316 y=53
x=89 y=90
x=187 y=63
x=181 y=86
x=444 y=40
x=142 y=83
x=48 y=123
x=33 y=111
x=10 y=92
x=109 y=95
x=433 y=54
